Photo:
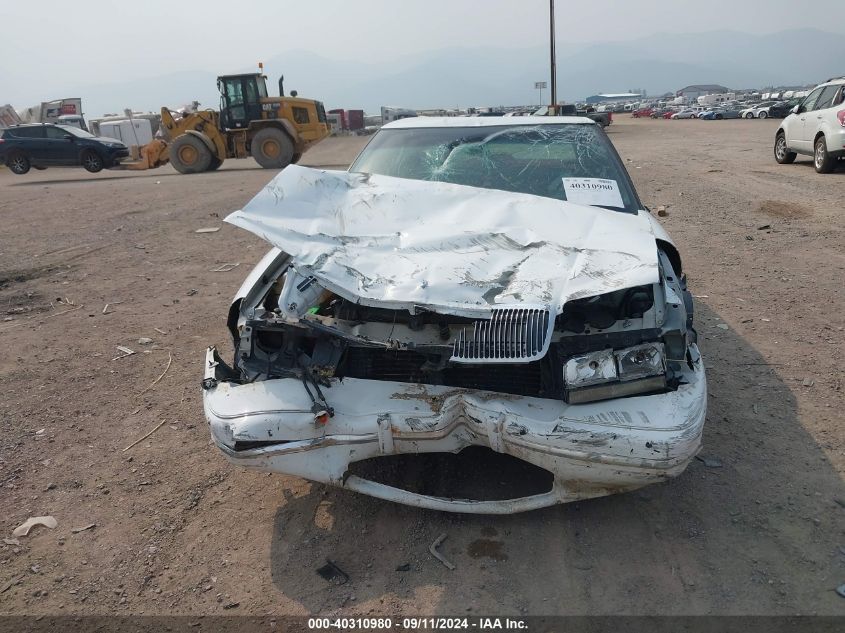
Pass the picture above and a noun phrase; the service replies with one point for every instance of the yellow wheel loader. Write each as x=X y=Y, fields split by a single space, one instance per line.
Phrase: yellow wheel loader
x=275 y=131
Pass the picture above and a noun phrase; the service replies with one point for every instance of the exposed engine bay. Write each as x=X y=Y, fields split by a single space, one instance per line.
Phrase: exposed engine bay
x=626 y=342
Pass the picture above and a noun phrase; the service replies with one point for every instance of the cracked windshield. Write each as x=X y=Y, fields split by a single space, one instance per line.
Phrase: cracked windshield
x=566 y=162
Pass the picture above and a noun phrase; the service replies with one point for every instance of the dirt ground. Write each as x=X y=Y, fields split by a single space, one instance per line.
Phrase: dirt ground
x=92 y=262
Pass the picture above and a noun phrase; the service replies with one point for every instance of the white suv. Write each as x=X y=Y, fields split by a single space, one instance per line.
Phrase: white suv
x=816 y=127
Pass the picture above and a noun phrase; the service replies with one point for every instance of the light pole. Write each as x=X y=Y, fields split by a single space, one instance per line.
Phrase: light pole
x=552 y=54
x=539 y=85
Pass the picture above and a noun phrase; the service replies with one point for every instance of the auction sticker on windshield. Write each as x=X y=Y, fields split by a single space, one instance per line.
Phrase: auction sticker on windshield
x=599 y=192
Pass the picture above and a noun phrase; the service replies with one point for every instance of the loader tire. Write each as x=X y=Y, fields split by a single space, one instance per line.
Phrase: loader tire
x=215 y=163
x=189 y=155
x=272 y=149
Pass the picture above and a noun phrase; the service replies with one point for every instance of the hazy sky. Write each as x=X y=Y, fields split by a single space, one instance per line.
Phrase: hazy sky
x=52 y=46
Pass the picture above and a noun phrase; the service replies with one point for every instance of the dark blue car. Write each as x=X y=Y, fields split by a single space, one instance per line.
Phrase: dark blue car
x=43 y=145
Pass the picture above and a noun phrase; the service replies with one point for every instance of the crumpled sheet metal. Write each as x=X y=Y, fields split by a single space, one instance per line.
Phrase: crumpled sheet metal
x=400 y=243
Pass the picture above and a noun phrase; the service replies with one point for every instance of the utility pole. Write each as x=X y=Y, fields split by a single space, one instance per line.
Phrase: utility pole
x=552 y=54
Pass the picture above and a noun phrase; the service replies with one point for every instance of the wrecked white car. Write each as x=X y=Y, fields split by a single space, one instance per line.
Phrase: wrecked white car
x=468 y=282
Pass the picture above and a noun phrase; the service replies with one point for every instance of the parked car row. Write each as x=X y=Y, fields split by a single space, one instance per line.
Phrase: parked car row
x=714 y=113
x=727 y=110
x=706 y=114
x=720 y=113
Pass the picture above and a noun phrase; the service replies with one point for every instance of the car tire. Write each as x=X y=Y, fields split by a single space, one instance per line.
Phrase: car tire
x=822 y=160
x=749 y=115
x=718 y=117
x=763 y=115
x=18 y=164
x=782 y=154
x=272 y=149
x=91 y=161
x=189 y=154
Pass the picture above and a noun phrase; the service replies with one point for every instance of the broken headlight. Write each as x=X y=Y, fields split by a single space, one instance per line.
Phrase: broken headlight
x=602 y=311
x=615 y=373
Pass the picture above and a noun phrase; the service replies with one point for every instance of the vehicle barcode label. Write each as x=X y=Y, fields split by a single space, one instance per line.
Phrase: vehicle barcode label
x=593 y=191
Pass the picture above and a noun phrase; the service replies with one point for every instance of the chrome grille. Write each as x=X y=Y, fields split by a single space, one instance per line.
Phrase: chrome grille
x=511 y=335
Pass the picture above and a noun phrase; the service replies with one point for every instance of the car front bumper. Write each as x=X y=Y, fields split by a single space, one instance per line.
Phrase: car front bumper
x=591 y=449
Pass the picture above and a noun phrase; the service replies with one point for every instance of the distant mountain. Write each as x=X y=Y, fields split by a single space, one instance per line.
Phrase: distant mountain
x=173 y=90
x=729 y=58
x=498 y=76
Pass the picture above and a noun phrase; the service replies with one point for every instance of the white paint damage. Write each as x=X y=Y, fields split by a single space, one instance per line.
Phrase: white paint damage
x=592 y=449
x=410 y=244
x=450 y=249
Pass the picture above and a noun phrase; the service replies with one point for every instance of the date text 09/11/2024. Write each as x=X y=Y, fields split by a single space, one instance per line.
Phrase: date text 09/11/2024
x=417 y=624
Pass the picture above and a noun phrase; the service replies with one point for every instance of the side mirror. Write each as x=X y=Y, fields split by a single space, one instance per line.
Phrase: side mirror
x=69 y=137
x=796 y=109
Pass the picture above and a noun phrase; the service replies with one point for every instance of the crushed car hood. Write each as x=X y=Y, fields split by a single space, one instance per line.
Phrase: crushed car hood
x=399 y=243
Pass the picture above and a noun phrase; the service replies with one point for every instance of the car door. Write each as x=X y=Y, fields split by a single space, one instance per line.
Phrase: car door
x=30 y=140
x=60 y=147
x=795 y=126
x=815 y=117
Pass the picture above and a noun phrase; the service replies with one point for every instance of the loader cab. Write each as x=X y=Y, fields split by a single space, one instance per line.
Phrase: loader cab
x=240 y=97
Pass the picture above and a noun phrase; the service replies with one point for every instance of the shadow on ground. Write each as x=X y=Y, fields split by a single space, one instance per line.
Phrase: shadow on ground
x=807 y=163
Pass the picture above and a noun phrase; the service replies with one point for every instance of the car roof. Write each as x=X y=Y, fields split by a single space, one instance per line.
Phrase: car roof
x=835 y=81
x=484 y=121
